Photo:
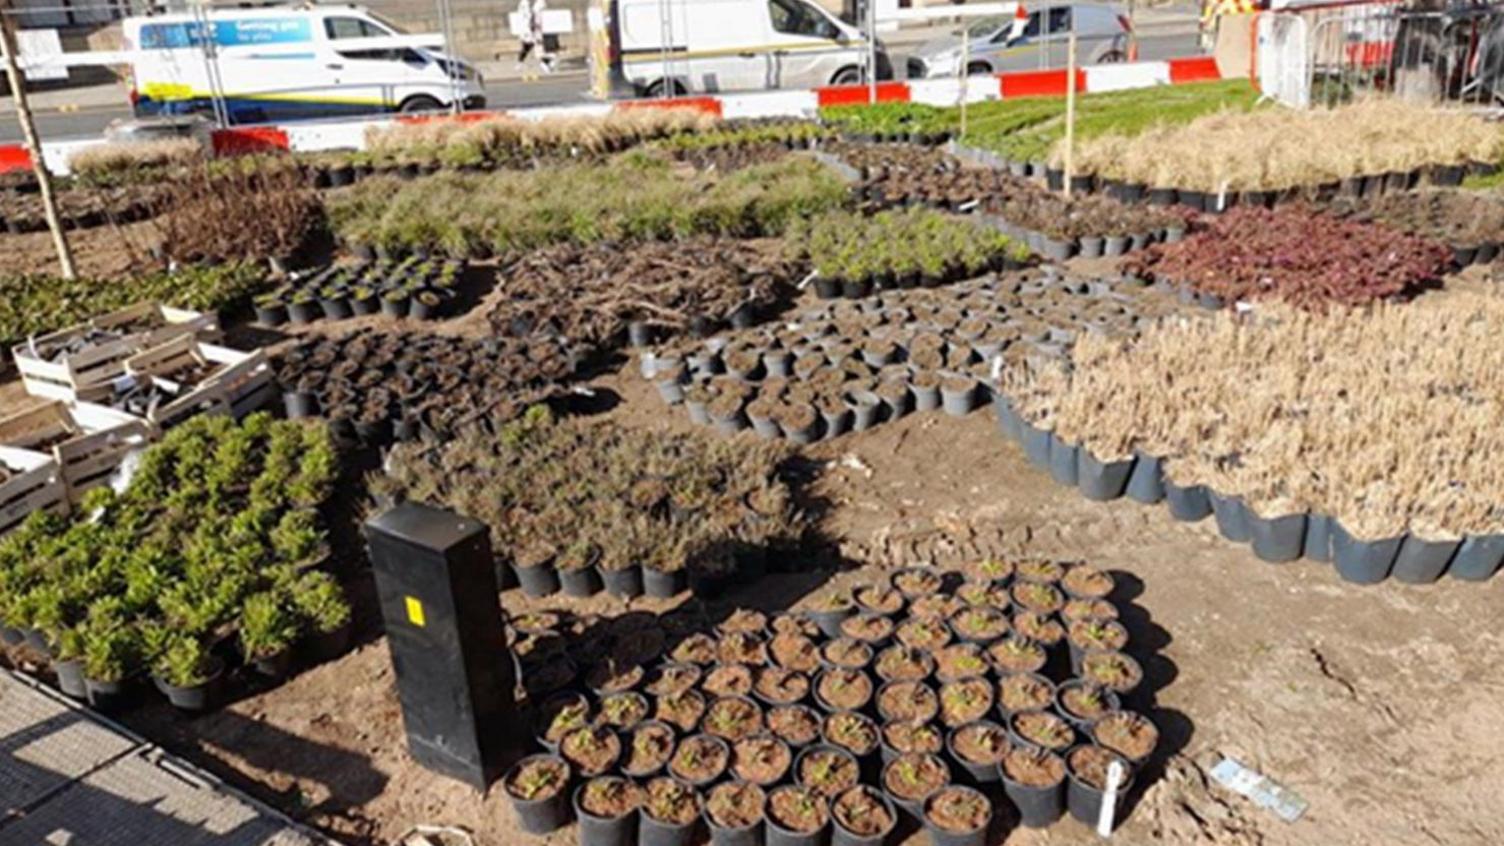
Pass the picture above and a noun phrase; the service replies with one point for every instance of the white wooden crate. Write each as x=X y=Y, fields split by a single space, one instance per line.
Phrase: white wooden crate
x=35 y=483
x=86 y=375
x=240 y=382
x=97 y=440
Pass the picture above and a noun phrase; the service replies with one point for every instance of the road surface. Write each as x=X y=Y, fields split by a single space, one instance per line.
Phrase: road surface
x=55 y=121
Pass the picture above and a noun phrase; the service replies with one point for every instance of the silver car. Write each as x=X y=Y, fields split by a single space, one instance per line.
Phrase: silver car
x=1101 y=36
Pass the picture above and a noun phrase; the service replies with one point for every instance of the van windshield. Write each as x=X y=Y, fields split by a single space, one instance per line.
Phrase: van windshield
x=392 y=28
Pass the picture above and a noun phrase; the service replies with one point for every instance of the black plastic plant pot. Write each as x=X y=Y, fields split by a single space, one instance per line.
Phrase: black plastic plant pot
x=425 y=306
x=1038 y=807
x=1276 y=539
x=326 y=646
x=1364 y=562
x=275 y=666
x=1231 y=516
x=1091 y=246
x=110 y=696
x=1463 y=255
x=300 y=404
x=1007 y=418
x=604 y=831
x=540 y=816
x=1082 y=724
x=195 y=698
x=623 y=583
x=776 y=835
x=1317 y=545
x=840 y=835
x=304 y=312
x=1054 y=178
x=336 y=308
x=977 y=773
x=855 y=289
x=271 y=314
x=1162 y=196
x=580 y=582
x=1115 y=245
x=827 y=289
x=1101 y=480
x=1081 y=184
x=659 y=584
x=743 y=316
x=748 y=835
x=945 y=837
x=1057 y=250
x=1187 y=504
x=538 y=580
x=365 y=306
x=395 y=307
x=1146 y=480
x=639 y=333
x=652 y=832
x=1421 y=562
x=1195 y=200
x=12 y=636
x=1478 y=558
x=70 y=678
x=1085 y=801
x=1063 y=460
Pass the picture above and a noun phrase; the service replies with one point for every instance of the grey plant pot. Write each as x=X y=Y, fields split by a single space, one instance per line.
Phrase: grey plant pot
x=1146 y=483
x=1101 y=481
x=699 y=412
x=1092 y=246
x=1056 y=250
x=1115 y=245
x=1478 y=558
x=1421 y=562
x=729 y=425
x=765 y=428
x=778 y=363
x=1187 y=504
x=1276 y=539
x=1363 y=562
x=1063 y=461
x=835 y=425
x=925 y=399
x=671 y=391
x=1007 y=419
x=864 y=408
x=958 y=403
x=1318 y=540
x=705 y=362
x=1232 y=516
x=1036 y=444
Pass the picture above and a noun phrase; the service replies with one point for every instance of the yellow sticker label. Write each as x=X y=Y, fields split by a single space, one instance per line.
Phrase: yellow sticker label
x=415 y=612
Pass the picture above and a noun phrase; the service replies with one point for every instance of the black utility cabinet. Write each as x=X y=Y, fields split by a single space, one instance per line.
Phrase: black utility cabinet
x=437 y=588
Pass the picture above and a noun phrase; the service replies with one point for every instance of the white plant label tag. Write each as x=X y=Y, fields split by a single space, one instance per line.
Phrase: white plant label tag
x=997 y=367
x=803 y=283
x=1109 y=807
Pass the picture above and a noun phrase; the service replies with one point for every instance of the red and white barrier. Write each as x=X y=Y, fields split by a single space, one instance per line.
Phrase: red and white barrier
x=313 y=136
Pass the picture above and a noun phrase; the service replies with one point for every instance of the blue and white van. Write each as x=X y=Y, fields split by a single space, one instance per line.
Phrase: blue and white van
x=282 y=63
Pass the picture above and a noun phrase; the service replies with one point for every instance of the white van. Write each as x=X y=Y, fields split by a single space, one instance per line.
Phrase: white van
x=735 y=45
x=282 y=63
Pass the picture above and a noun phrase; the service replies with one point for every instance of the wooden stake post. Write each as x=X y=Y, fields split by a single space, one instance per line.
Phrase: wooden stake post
x=11 y=54
x=1070 y=106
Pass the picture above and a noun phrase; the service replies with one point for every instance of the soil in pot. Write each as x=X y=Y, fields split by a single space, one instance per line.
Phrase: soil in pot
x=842 y=689
x=591 y=751
x=670 y=803
x=673 y=678
x=980 y=747
x=1083 y=581
x=911 y=777
x=700 y=760
x=649 y=748
x=847 y=653
x=612 y=676
x=851 y=731
x=864 y=814
x=733 y=718
x=796 y=725
x=1019 y=692
x=622 y=711
x=729 y=680
x=695 y=649
x=1041 y=729
x=1083 y=703
x=1037 y=596
x=743 y=648
x=606 y=808
x=536 y=787
x=562 y=715
x=830 y=611
x=993 y=570
x=965 y=701
x=793 y=651
x=1117 y=671
x=960 y=661
x=874 y=599
x=936 y=606
x=681 y=710
x=915 y=582
x=1088 y=767
x=979 y=624
x=761 y=759
x=1095 y=635
x=1131 y=735
x=983 y=594
x=1088 y=609
x=777 y=686
x=902 y=663
x=1032 y=779
x=827 y=770
x=912 y=736
x=957 y=810
x=735 y=806
x=907 y=700
x=797 y=810
x=1043 y=629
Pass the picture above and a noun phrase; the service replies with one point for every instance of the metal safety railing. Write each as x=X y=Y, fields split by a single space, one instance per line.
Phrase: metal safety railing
x=1329 y=54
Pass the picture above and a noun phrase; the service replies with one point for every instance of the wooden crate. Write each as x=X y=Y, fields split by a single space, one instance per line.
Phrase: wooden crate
x=87 y=375
x=240 y=382
x=35 y=484
x=97 y=440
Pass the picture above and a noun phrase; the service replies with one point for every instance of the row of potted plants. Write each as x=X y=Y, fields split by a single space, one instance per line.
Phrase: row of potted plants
x=732 y=726
x=1295 y=255
x=209 y=557
x=1352 y=437
x=377 y=387
x=912 y=123
x=411 y=287
x=634 y=196
x=585 y=508
x=849 y=365
x=855 y=254
x=79 y=207
x=1470 y=222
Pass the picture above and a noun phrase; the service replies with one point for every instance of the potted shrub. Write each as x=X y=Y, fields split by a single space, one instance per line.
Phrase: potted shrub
x=761 y=759
x=796 y=816
x=271 y=309
x=856 y=733
x=863 y=817
x=592 y=750
x=396 y=303
x=700 y=760
x=560 y=715
x=923 y=634
x=964 y=701
x=325 y=615
x=623 y=711
x=733 y=718
x=576 y=567
x=1041 y=729
x=669 y=813
x=978 y=748
x=830 y=610
x=1116 y=671
x=188 y=675
x=846 y=653
x=734 y=813
x=1017 y=654
x=903 y=738
x=979 y=624
x=794 y=652
x=536 y=787
x=842 y=689
x=957 y=816
x=826 y=770
x=682 y=710
x=1130 y=735
x=267 y=633
x=874 y=630
x=903 y=663
x=777 y=686
x=959 y=661
x=1032 y=780
x=909 y=778
x=1018 y=692
x=606 y=808
x=796 y=725
x=729 y=680
x=650 y=746
x=68 y=662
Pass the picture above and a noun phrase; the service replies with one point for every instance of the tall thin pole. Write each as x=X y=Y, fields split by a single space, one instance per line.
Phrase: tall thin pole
x=871 y=51
x=1070 y=105
x=964 y=70
x=10 y=52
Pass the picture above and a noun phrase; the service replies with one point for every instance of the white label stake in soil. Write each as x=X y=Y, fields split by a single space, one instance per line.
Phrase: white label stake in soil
x=1109 y=807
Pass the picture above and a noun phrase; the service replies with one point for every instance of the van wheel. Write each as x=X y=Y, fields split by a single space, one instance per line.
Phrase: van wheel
x=847 y=76
x=978 y=68
x=656 y=89
x=420 y=103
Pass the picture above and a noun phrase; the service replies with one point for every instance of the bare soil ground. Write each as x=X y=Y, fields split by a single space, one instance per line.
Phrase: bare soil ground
x=101 y=251
x=1380 y=705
